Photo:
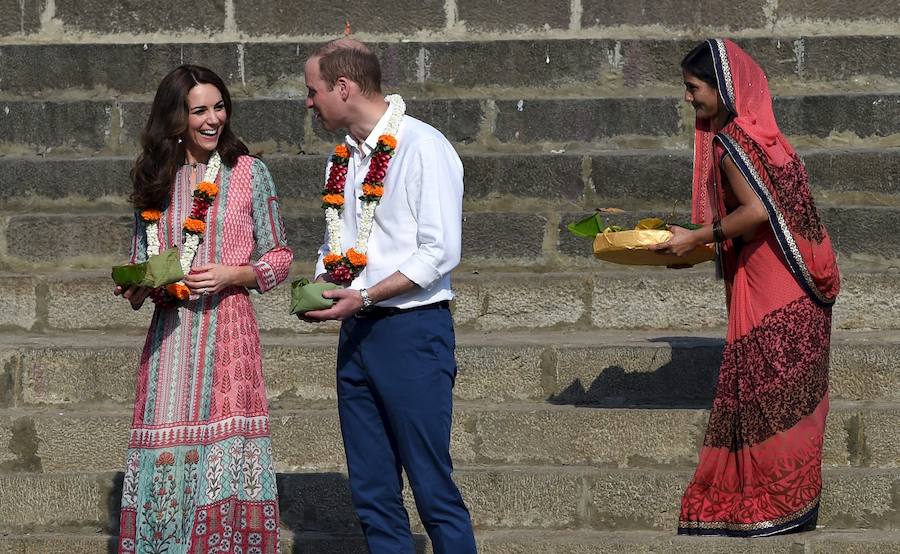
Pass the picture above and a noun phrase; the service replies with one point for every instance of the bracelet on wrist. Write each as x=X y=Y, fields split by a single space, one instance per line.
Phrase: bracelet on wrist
x=717 y=232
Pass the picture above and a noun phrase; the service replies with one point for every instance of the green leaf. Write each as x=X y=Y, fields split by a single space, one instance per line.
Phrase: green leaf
x=588 y=227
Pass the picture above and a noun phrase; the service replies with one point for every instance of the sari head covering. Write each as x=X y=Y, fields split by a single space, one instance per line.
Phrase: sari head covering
x=771 y=166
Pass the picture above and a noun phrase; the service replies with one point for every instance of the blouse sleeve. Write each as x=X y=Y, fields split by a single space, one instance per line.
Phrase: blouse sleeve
x=273 y=255
x=138 y=241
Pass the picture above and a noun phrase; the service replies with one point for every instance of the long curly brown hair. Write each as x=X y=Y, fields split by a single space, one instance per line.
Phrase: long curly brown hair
x=154 y=170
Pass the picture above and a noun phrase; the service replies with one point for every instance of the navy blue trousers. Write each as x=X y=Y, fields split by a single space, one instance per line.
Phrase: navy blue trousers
x=395 y=377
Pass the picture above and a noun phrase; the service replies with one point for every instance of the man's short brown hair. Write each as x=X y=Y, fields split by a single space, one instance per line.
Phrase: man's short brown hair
x=351 y=59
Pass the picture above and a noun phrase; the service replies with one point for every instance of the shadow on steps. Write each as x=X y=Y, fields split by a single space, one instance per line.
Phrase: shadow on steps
x=687 y=380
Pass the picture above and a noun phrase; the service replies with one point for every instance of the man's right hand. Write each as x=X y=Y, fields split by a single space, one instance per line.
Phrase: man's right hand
x=134 y=294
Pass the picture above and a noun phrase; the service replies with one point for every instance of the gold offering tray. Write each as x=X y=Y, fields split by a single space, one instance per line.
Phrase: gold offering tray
x=630 y=248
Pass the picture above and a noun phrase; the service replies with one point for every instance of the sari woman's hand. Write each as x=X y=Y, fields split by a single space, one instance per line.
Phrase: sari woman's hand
x=683 y=241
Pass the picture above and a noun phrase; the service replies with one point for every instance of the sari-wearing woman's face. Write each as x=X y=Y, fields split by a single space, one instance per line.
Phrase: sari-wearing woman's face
x=206 y=118
x=702 y=96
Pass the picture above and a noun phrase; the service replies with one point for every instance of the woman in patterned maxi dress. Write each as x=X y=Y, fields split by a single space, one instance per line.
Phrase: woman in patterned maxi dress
x=199 y=474
x=760 y=469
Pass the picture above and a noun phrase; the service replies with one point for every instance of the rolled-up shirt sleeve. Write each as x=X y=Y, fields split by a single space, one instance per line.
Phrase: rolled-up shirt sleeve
x=437 y=202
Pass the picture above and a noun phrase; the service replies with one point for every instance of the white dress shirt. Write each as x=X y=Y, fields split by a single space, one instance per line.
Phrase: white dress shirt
x=418 y=223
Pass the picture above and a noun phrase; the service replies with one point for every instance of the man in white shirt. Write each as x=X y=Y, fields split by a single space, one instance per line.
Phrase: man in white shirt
x=396 y=363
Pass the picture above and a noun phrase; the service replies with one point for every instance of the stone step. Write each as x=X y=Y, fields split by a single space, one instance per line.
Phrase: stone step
x=282 y=125
x=71 y=20
x=299 y=541
x=628 y=179
x=417 y=67
x=515 y=498
x=598 y=368
x=60 y=440
x=606 y=297
x=491 y=239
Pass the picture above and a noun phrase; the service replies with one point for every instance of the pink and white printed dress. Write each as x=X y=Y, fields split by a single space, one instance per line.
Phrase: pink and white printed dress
x=200 y=476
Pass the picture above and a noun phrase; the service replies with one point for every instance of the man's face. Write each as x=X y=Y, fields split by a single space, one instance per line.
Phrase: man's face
x=327 y=105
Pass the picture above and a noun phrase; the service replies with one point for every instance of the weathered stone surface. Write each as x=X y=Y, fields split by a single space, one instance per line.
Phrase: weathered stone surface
x=851 y=170
x=57 y=543
x=635 y=177
x=313 y=17
x=882 y=442
x=18 y=302
x=862 y=230
x=864 y=115
x=502 y=236
x=528 y=301
x=512 y=15
x=41 y=238
x=831 y=10
x=20 y=17
x=29 y=501
x=587 y=436
x=673 y=14
x=524 y=176
x=865 y=371
x=305 y=234
x=838 y=57
x=508 y=63
x=123 y=68
x=36 y=179
x=636 y=499
x=87 y=302
x=59 y=375
x=863 y=541
x=499 y=373
x=853 y=308
x=133 y=17
x=854 y=498
x=584 y=120
x=521 y=498
x=42 y=125
x=646 y=300
x=298 y=178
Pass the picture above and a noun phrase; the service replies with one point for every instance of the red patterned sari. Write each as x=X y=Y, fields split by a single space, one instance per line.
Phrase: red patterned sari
x=760 y=466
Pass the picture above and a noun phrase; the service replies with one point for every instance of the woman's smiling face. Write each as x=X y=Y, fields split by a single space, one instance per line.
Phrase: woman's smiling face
x=702 y=96
x=206 y=118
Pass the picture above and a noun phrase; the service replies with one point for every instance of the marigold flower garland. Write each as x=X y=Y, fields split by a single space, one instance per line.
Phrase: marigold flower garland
x=343 y=267
x=194 y=226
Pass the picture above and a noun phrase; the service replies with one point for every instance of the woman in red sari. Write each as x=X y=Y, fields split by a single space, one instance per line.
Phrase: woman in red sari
x=760 y=466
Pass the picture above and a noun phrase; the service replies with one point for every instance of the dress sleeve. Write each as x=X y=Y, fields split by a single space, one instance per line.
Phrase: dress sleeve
x=273 y=255
x=138 y=241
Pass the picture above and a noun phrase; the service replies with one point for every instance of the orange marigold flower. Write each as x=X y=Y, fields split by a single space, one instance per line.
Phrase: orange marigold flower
x=165 y=459
x=179 y=290
x=151 y=215
x=373 y=190
x=210 y=189
x=196 y=226
x=357 y=259
x=333 y=199
x=388 y=141
x=332 y=259
x=342 y=151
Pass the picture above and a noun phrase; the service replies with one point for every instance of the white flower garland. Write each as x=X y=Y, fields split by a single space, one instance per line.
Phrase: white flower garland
x=367 y=218
x=191 y=242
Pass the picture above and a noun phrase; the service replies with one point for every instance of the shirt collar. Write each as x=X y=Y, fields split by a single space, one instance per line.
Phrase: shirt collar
x=372 y=140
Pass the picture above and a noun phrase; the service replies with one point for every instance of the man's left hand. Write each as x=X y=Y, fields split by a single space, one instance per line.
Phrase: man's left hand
x=347 y=303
